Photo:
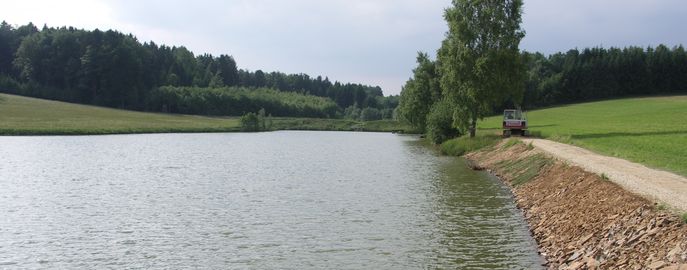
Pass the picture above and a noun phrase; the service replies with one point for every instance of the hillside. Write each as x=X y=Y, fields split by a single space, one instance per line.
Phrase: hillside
x=651 y=131
x=32 y=116
x=116 y=70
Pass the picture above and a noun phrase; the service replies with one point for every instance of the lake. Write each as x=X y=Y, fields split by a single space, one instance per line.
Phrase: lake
x=287 y=200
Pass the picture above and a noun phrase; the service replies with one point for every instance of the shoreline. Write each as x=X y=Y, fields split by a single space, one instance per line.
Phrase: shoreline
x=581 y=220
x=5 y=133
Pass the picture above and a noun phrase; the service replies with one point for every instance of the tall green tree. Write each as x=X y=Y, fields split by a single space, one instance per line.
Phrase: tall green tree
x=479 y=60
x=420 y=92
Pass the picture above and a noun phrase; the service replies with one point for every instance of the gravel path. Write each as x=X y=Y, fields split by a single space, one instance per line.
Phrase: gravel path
x=655 y=185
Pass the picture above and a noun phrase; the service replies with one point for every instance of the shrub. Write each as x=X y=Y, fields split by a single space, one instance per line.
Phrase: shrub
x=370 y=114
x=440 y=123
x=250 y=122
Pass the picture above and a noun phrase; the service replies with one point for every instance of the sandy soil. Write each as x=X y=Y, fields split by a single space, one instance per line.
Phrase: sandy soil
x=655 y=185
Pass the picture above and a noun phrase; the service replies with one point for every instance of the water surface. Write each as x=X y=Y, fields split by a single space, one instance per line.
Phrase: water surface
x=294 y=200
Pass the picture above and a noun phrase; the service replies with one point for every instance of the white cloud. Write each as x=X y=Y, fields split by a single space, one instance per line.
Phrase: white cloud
x=79 y=13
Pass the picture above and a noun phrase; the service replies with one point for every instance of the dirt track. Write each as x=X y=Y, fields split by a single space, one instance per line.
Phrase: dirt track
x=655 y=185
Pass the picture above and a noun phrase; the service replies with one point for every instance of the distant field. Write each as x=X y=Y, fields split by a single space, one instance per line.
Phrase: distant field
x=32 y=116
x=285 y=123
x=651 y=131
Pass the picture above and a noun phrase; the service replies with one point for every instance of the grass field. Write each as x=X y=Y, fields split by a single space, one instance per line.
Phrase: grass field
x=285 y=123
x=651 y=131
x=31 y=116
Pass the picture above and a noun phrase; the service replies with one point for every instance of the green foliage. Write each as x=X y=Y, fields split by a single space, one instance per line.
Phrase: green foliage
x=288 y=123
x=216 y=81
x=684 y=218
x=525 y=169
x=352 y=112
x=420 y=93
x=604 y=176
x=253 y=122
x=370 y=114
x=479 y=60
x=440 y=123
x=237 y=101
x=116 y=70
x=465 y=144
x=597 y=73
x=651 y=131
x=366 y=114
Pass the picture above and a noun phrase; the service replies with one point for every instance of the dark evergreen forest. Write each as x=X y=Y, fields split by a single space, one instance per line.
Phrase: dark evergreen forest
x=599 y=73
x=108 y=68
x=563 y=78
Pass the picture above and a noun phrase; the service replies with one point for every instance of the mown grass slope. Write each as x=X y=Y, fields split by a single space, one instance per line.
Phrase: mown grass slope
x=651 y=131
x=31 y=116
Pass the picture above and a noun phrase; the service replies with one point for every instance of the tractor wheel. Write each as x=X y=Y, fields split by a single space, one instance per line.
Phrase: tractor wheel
x=506 y=133
x=525 y=133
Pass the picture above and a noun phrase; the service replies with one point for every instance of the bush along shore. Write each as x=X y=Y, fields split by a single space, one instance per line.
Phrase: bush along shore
x=579 y=219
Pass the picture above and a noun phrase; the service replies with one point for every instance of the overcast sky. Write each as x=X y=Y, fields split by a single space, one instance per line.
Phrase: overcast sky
x=366 y=41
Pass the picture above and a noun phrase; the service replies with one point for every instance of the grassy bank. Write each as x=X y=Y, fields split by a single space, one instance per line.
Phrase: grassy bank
x=651 y=131
x=31 y=116
x=465 y=144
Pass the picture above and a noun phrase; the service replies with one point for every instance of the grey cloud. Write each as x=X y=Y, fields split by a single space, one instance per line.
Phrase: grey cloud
x=375 y=42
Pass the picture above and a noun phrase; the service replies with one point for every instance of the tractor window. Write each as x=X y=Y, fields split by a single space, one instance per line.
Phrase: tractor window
x=508 y=115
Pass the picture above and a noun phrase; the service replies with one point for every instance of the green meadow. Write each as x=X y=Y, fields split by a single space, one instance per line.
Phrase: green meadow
x=651 y=131
x=31 y=116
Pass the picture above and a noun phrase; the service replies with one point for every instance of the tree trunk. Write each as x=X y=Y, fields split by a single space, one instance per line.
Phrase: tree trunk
x=473 y=127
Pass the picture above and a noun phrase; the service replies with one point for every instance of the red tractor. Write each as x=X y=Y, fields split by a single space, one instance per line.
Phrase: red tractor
x=514 y=123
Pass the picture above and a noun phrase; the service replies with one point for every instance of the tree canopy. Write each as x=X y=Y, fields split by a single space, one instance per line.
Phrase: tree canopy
x=480 y=60
x=481 y=72
x=420 y=92
x=109 y=68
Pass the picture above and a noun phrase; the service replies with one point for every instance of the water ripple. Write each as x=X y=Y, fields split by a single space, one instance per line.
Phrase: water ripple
x=287 y=200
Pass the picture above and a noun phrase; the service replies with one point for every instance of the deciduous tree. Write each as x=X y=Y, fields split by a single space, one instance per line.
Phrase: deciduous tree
x=479 y=60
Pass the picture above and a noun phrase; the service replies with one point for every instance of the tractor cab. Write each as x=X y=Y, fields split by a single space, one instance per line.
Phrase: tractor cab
x=514 y=123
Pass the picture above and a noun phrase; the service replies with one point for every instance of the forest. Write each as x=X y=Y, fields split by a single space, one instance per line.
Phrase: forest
x=563 y=78
x=480 y=70
x=108 y=68
x=598 y=73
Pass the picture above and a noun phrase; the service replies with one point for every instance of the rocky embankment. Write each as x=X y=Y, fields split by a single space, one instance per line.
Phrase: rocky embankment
x=582 y=221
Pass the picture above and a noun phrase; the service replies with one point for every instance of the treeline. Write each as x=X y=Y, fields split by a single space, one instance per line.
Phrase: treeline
x=343 y=94
x=480 y=70
x=561 y=78
x=598 y=73
x=112 y=69
x=238 y=101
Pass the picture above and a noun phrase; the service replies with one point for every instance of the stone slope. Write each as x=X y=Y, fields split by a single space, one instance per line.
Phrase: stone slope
x=582 y=221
